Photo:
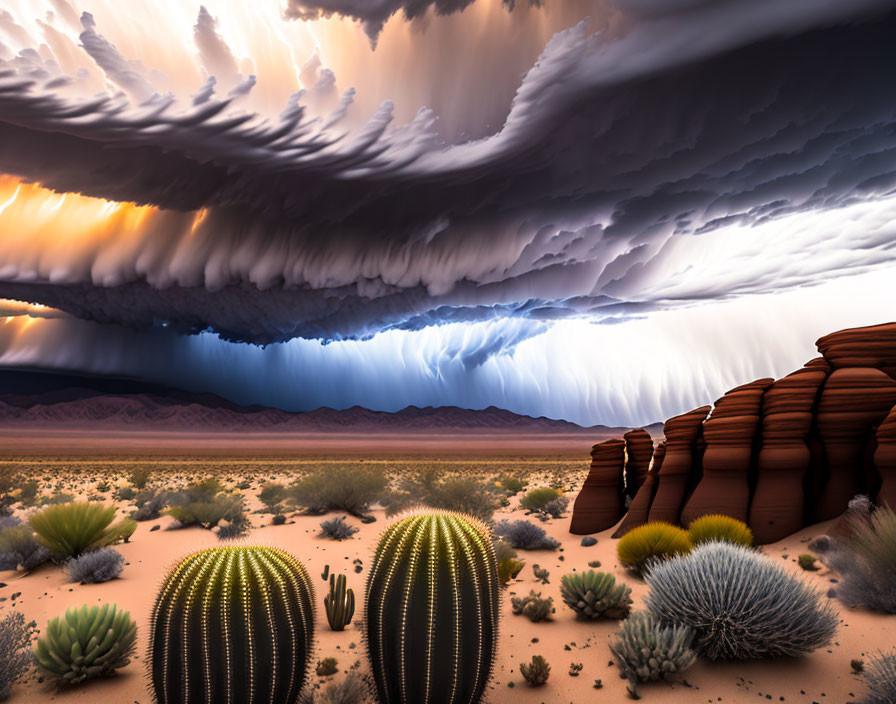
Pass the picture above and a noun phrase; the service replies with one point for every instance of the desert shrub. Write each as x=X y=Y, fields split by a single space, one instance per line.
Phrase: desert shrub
x=807 y=561
x=524 y=535
x=208 y=514
x=139 y=477
x=646 y=650
x=337 y=529
x=865 y=558
x=741 y=605
x=272 y=495
x=593 y=595
x=150 y=503
x=352 y=690
x=536 y=499
x=236 y=526
x=203 y=491
x=327 y=667
x=85 y=643
x=536 y=673
x=67 y=530
x=59 y=497
x=542 y=574
x=532 y=606
x=512 y=485
x=348 y=488
x=15 y=651
x=655 y=541
x=95 y=567
x=278 y=520
x=28 y=493
x=121 y=532
x=719 y=527
x=126 y=493
x=880 y=676
x=19 y=547
x=458 y=494
x=508 y=564
x=103 y=487
x=555 y=508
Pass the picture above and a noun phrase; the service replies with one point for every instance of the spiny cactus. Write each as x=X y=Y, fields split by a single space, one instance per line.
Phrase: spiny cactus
x=339 y=603
x=594 y=595
x=232 y=624
x=432 y=610
x=645 y=650
x=86 y=642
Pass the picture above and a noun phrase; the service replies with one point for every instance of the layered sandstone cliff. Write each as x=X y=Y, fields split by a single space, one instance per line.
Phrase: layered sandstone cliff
x=775 y=454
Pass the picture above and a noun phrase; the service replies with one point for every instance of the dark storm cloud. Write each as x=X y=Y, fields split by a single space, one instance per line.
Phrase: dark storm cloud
x=698 y=117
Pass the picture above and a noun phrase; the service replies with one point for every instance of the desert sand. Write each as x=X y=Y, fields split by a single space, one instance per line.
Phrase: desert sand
x=824 y=676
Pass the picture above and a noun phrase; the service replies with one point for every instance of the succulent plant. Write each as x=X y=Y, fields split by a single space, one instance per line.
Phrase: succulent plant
x=536 y=673
x=339 y=603
x=86 y=642
x=232 y=623
x=432 y=610
x=594 y=595
x=740 y=604
x=646 y=650
x=532 y=606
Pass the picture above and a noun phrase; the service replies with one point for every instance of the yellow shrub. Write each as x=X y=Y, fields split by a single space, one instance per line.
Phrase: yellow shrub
x=719 y=527
x=653 y=541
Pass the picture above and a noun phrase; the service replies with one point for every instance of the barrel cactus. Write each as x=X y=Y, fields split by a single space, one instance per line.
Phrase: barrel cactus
x=232 y=624
x=85 y=643
x=593 y=595
x=432 y=610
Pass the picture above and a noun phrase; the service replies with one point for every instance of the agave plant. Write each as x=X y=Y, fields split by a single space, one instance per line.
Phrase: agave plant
x=646 y=650
x=68 y=530
x=85 y=643
x=593 y=595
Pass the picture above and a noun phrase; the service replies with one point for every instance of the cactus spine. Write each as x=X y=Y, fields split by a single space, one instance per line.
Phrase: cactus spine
x=339 y=603
x=432 y=610
x=232 y=624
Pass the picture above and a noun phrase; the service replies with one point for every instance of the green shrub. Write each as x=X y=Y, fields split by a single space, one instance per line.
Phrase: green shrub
x=20 y=548
x=532 y=606
x=88 y=642
x=593 y=595
x=348 y=488
x=272 y=495
x=740 y=604
x=537 y=672
x=327 y=667
x=208 y=513
x=645 y=650
x=807 y=561
x=28 y=493
x=512 y=485
x=243 y=616
x=508 y=564
x=458 y=494
x=719 y=527
x=103 y=487
x=537 y=499
x=652 y=542
x=68 y=530
x=140 y=477
x=126 y=493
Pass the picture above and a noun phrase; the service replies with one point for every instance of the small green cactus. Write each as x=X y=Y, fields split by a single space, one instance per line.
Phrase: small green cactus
x=645 y=650
x=537 y=672
x=339 y=603
x=593 y=595
x=86 y=642
x=431 y=610
x=232 y=624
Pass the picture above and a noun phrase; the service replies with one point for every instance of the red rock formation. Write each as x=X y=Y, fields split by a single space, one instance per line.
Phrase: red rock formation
x=777 y=507
x=885 y=460
x=725 y=486
x=639 y=509
x=853 y=401
x=599 y=504
x=681 y=436
x=873 y=346
x=638 y=451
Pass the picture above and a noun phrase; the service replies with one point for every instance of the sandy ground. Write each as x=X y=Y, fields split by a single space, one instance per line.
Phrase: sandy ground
x=823 y=677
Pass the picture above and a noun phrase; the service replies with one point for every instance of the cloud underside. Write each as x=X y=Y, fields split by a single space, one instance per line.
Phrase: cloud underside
x=627 y=168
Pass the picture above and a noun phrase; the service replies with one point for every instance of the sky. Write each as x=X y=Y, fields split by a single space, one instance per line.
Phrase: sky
x=608 y=211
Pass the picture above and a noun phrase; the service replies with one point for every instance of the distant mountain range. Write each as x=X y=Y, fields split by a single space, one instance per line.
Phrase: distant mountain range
x=33 y=399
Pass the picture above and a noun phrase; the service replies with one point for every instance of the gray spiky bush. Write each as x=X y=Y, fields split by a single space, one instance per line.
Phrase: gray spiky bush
x=431 y=610
x=337 y=529
x=593 y=595
x=232 y=623
x=740 y=604
x=646 y=650
x=880 y=676
x=15 y=651
x=95 y=567
x=865 y=557
x=19 y=547
x=352 y=690
x=524 y=535
x=84 y=643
